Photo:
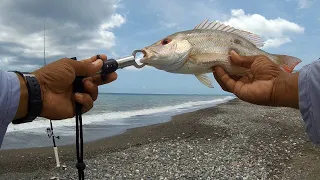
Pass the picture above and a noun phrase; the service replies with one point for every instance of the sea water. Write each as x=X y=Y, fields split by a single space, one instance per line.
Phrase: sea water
x=112 y=114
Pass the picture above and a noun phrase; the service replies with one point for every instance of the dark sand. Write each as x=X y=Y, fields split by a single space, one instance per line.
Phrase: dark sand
x=235 y=140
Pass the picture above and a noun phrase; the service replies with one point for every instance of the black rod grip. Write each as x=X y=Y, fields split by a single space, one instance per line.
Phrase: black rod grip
x=108 y=67
x=78 y=87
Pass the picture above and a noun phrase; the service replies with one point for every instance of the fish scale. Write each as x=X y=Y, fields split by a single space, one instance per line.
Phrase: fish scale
x=219 y=45
x=196 y=51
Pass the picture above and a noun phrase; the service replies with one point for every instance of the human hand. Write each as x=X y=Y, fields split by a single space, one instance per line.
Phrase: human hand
x=264 y=84
x=56 y=81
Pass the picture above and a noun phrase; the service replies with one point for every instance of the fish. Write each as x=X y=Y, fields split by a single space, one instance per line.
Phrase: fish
x=208 y=44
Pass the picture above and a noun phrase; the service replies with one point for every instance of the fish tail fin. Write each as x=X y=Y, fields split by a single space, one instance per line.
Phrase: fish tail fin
x=288 y=63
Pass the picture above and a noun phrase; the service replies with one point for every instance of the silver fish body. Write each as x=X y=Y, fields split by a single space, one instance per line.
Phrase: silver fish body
x=209 y=44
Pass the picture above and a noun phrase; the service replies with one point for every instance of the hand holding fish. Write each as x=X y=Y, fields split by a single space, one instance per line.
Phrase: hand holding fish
x=265 y=84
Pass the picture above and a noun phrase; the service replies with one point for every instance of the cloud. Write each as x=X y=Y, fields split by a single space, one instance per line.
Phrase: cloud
x=181 y=14
x=73 y=28
x=171 y=14
x=275 y=31
x=132 y=68
x=304 y=4
x=169 y=24
x=276 y=42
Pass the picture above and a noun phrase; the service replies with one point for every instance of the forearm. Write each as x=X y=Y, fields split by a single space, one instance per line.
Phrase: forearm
x=286 y=90
x=309 y=96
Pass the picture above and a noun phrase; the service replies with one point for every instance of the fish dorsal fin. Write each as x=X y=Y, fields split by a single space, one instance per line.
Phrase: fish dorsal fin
x=253 y=38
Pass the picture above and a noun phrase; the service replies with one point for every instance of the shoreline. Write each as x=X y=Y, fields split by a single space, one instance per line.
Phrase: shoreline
x=127 y=131
x=16 y=139
x=65 y=150
x=261 y=142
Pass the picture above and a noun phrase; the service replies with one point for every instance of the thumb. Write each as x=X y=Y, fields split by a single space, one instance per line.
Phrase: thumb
x=85 y=68
x=243 y=61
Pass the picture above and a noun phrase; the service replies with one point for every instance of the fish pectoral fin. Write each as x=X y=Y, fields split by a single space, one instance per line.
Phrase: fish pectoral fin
x=204 y=79
x=209 y=58
x=179 y=63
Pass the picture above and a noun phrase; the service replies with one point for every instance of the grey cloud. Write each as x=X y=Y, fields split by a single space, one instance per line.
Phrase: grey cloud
x=32 y=12
x=70 y=25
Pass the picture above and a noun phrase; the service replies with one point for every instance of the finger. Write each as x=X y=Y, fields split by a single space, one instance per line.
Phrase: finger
x=225 y=79
x=97 y=80
x=91 y=89
x=243 y=61
x=85 y=100
x=85 y=67
x=240 y=84
x=222 y=85
x=90 y=66
x=245 y=79
x=234 y=77
x=103 y=57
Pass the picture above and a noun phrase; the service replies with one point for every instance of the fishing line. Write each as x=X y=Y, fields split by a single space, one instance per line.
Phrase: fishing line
x=78 y=88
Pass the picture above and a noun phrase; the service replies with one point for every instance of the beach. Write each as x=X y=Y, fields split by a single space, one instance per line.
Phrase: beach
x=233 y=140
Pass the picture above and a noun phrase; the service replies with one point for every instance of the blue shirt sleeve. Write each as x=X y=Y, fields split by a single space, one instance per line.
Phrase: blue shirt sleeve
x=309 y=99
x=9 y=100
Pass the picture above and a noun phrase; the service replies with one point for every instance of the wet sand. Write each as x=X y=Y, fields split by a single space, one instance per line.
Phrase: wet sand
x=235 y=140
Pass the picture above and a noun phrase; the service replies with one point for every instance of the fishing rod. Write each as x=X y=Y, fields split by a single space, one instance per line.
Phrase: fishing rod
x=50 y=130
x=108 y=67
x=55 y=148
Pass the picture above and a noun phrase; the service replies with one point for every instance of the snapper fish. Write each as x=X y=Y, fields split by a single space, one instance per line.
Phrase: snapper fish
x=196 y=51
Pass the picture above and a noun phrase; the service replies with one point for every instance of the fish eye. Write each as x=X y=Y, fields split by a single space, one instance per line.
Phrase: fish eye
x=165 y=41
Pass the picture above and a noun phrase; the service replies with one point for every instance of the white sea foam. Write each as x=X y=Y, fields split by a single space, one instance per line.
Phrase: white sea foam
x=114 y=118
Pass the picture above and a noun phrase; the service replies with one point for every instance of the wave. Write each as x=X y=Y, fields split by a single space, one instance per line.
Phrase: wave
x=113 y=118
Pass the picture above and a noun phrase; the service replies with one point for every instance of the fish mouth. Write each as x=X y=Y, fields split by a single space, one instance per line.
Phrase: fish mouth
x=145 y=57
x=144 y=52
x=149 y=58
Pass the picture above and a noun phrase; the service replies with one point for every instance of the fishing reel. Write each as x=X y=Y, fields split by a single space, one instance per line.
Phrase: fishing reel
x=50 y=133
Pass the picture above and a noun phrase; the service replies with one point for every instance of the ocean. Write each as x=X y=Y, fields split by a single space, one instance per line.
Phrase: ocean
x=112 y=114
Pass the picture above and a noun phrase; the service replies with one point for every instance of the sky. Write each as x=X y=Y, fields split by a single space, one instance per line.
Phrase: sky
x=84 y=28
